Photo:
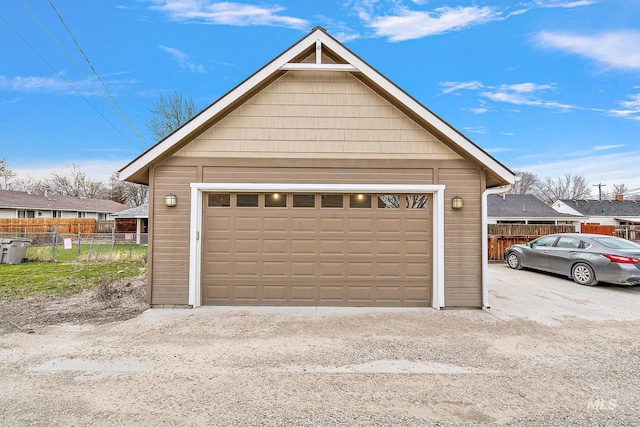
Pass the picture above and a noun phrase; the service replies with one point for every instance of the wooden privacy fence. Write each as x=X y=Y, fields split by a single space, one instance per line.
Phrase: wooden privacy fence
x=501 y=236
x=596 y=228
x=45 y=225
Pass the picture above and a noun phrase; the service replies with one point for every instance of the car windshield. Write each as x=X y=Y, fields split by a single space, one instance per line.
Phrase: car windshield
x=617 y=243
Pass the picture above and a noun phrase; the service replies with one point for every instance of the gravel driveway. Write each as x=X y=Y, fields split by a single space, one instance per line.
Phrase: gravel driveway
x=548 y=352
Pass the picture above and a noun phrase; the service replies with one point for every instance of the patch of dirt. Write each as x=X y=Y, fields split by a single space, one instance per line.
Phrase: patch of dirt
x=108 y=302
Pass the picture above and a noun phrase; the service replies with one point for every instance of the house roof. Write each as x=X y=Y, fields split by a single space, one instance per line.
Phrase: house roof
x=522 y=206
x=614 y=208
x=141 y=211
x=317 y=40
x=21 y=200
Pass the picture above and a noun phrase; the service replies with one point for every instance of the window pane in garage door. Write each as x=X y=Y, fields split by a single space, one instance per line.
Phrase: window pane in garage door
x=275 y=200
x=417 y=201
x=361 y=201
x=388 y=201
x=332 y=200
x=304 y=200
x=220 y=200
x=247 y=200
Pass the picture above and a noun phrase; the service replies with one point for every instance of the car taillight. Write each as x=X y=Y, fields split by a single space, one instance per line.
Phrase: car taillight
x=621 y=259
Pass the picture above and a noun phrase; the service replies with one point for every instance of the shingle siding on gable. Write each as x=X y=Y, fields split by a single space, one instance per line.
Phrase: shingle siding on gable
x=318 y=114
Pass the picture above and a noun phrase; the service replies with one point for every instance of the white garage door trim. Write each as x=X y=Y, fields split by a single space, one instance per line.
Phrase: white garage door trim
x=197 y=190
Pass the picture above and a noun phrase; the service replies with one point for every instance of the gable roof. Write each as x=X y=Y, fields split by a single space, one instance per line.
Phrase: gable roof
x=614 y=208
x=522 y=206
x=322 y=43
x=21 y=200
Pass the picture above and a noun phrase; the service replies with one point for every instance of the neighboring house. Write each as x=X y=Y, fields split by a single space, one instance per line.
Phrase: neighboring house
x=18 y=204
x=317 y=182
x=527 y=209
x=603 y=212
x=133 y=220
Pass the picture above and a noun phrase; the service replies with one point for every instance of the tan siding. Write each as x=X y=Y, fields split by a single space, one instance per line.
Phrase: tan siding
x=318 y=114
x=170 y=274
x=463 y=237
x=318 y=175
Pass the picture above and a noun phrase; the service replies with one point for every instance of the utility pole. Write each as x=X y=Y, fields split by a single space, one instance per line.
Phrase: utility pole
x=600 y=189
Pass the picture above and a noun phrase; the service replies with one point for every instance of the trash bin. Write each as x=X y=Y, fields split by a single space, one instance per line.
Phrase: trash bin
x=13 y=249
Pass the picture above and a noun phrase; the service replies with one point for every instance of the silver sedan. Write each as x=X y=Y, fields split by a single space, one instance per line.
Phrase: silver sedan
x=586 y=258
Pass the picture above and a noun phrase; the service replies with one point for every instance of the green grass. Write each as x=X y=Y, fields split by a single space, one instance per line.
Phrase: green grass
x=31 y=279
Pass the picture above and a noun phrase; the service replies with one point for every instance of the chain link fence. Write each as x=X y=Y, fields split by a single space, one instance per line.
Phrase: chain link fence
x=76 y=247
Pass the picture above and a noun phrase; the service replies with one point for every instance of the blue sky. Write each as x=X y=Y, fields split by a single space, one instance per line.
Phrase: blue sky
x=547 y=86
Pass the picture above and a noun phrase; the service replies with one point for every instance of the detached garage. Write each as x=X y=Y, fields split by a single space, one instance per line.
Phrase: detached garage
x=317 y=182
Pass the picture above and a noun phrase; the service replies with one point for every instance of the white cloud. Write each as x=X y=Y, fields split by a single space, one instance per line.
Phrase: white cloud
x=478 y=130
x=479 y=110
x=526 y=94
x=607 y=147
x=37 y=84
x=517 y=94
x=614 y=49
x=629 y=109
x=454 y=86
x=409 y=24
x=183 y=60
x=401 y=23
x=11 y=101
x=564 y=4
x=57 y=85
x=227 y=13
x=495 y=150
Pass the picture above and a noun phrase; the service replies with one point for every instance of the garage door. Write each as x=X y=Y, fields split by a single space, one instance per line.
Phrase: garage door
x=317 y=249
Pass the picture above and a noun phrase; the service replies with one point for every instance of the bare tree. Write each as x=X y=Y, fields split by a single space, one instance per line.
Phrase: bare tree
x=169 y=113
x=526 y=185
x=76 y=184
x=28 y=184
x=619 y=190
x=127 y=192
x=6 y=175
x=568 y=187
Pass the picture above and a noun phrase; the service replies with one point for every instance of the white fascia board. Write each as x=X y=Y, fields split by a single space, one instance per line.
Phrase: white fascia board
x=241 y=187
x=195 y=248
x=195 y=229
x=318 y=67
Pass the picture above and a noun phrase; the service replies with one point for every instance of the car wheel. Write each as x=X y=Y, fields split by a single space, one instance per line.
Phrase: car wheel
x=582 y=274
x=513 y=259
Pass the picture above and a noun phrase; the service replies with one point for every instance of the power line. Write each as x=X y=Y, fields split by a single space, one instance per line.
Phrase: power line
x=62 y=77
x=122 y=113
